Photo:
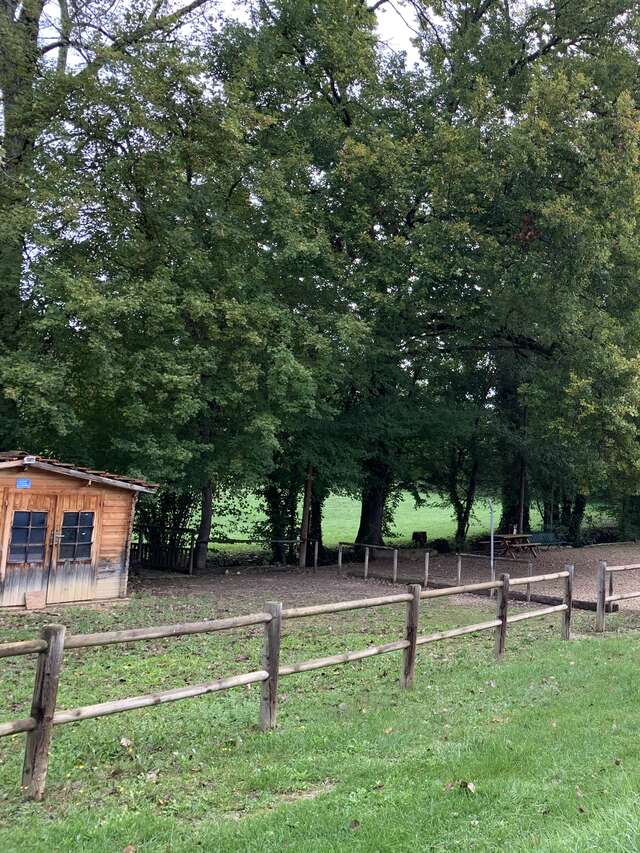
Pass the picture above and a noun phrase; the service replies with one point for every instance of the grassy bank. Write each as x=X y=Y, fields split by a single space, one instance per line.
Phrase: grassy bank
x=540 y=751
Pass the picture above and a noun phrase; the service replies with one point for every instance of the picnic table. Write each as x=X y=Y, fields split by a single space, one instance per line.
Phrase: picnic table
x=512 y=544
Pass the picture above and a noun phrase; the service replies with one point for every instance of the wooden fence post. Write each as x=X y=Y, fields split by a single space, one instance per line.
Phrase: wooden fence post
x=610 y=587
x=501 y=614
x=459 y=576
x=601 y=594
x=339 y=559
x=271 y=662
x=316 y=546
x=395 y=565
x=411 y=634
x=366 y=563
x=529 y=574
x=568 y=600
x=43 y=706
x=426 y=569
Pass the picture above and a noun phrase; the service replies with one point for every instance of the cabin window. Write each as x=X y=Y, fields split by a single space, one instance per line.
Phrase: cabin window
x=77 y=535
x=28 y=534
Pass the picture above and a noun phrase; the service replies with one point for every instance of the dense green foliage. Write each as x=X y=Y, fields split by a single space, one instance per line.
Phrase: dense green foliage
x=239 y=252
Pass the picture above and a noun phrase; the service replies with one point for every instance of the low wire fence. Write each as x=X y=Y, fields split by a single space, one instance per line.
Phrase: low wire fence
x=460 y=556
x=53 y=643
x=368 y=550
x=301 y=546
x=605 y=600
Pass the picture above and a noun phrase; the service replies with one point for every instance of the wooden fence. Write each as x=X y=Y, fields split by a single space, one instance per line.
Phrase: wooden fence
x=53 y=643
x=492 y=566
x=157 y=556
x=604 y=601
x=368 y=548
x=182 y=558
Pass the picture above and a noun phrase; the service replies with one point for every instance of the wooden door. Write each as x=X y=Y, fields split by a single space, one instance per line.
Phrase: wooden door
x=73 y=570
x=26 y=545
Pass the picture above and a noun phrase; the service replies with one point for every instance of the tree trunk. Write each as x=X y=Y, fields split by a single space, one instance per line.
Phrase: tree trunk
x=463 y=505
x=315 y=522
x=514 y=510
x=374 y=497
x=577 y=515
x=18 y=71
x=304 y=521
x=281 y=495
x=515 y=493
x=550 y=511
x=277 y=522
x=204 y=530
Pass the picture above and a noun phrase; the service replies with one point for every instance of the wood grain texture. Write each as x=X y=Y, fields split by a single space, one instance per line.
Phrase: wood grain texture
x=457 y=632
x=130 y=635
x=117 y=706
x=411 y=636
x=43 y=706
x=17 y=727
x=340 y=606
x=344 y=657
x=22 y=647
x=568 y=602
x=271 y=663
x=75 y=580
x=501 y=615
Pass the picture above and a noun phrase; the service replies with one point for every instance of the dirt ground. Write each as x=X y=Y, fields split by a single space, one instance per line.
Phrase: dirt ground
x=585 y=560
x=244 y=590
x=241 y=590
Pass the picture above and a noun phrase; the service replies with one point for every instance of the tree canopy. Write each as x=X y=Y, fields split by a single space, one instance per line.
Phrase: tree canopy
x=239 y=251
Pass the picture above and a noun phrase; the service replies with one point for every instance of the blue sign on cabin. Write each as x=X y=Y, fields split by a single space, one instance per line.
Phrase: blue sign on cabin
x=23 y=483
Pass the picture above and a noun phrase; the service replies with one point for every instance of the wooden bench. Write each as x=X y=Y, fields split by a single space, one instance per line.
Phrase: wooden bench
x=548 y=539
x=510 y=544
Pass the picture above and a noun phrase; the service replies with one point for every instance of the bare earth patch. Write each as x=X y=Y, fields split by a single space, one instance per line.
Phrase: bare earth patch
x=244 y=589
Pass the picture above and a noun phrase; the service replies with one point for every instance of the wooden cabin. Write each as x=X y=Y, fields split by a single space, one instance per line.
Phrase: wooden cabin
x=65 y=531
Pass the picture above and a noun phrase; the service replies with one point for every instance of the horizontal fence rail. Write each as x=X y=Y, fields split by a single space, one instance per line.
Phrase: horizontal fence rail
x=133 y=635
x=22 y=647
x=458 y=632
x=604 y=600
x=460 y=590
x=368 y=548
x=493 y=560
x=552 y=576
x=103 y=709
x=340 y=606
x=496 y=559
x=52 y=644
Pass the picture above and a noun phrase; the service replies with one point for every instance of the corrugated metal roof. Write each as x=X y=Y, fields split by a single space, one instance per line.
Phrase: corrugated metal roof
x=80 y=471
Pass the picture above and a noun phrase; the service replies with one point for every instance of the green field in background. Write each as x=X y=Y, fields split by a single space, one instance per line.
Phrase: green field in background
x=342 y=513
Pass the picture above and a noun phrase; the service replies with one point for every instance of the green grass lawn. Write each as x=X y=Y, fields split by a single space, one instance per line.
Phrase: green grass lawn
x=342 y=514
x=539 y=751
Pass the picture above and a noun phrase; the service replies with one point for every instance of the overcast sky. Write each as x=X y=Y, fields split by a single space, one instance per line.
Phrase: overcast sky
x=394 y=24
x=394 y=27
